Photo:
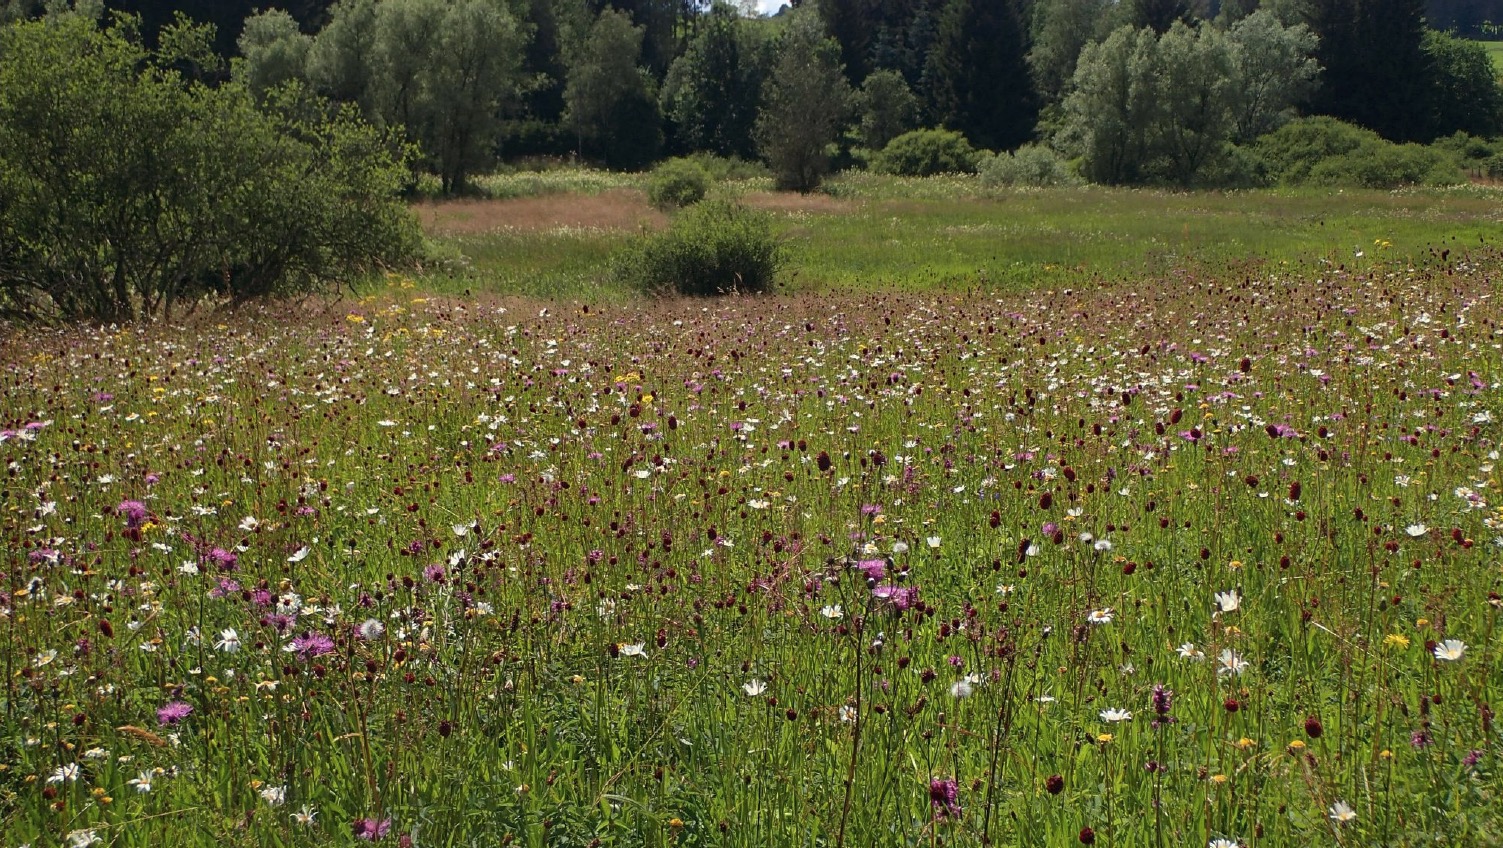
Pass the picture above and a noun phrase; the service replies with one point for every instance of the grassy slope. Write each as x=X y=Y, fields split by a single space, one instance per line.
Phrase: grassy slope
x=926 y=233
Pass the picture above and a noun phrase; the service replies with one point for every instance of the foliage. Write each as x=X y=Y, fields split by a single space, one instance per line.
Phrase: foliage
x=1146 y=108
x=273 y=51
x=712 y=91
x=677 y=183
x=921 y=153
x=805 y=106
x=1032 y=166
x=887 y=109
x=1324 y=151
x=1376 y=72
x=1062 y=29
x=977 y=75
x=714 y=247
x=611 y=103
x=1466 y=96
x=1273 y=69
x=441 y=71
x=1112 y=108
x=126 y=189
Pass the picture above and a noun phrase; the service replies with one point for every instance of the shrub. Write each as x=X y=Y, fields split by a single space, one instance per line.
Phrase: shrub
x=714 y=247
x=923 y=153
x=677 y=183
x=125 y=189
x=1293 y=150
x=1387 y=165
x=1328 y=152
x=1030 y=165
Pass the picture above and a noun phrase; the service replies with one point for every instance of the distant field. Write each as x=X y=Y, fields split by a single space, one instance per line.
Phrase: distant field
x=1495 y=50
x=945 y=232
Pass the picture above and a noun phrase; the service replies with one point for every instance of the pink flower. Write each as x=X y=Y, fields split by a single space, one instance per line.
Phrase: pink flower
x=371 y=829
x=173 y=712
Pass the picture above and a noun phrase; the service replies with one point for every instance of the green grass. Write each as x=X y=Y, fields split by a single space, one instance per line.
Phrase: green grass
x=1203 y=553
x=1495 y=52
x=945 y=231
x=497 y=574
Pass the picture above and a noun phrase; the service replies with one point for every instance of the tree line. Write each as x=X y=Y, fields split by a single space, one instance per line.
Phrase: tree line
x=1135 y=89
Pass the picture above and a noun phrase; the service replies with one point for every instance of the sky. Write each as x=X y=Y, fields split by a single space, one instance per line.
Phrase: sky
x=768 y=7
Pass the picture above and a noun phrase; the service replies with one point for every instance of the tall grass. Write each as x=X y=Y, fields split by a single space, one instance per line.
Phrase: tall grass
x=1198 y=558
x=944 y=232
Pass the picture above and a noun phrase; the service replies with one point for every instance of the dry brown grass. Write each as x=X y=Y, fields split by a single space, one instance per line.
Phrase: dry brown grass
x=787 y=201
x=623 y=209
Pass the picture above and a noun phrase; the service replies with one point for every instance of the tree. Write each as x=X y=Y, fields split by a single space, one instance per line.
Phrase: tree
x=272 y=51
x=1376 y=71
x=1194 y=81
x=1273 y=69
x=805 y=106
x=1110 y=112
x=339 y=60
x=1465 y=96
x=713 y=90
x=610 y=102
x=887 y=109
x=978 y=77
x=127 y=187
x=1063 y=28
x=442 y=71
x=852 y=24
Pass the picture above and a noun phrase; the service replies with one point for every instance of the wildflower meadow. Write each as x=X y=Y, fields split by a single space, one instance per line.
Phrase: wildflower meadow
x=1207 y=560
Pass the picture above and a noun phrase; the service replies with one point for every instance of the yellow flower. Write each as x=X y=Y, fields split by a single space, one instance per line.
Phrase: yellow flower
x=1234 y=564
x=1104 y=738
x=1244 y=743
x=648 y=398
x=675 y=822
x=1218 y=778
x=354 y=318
x=1296 y=746
x=1421 y=623
x=1385 y=754
x=1396 y=640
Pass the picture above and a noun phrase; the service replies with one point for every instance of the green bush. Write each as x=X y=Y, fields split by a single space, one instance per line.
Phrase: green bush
x=1387 y=165
x=1325 y=151
x=923 y=153
x=723 y=168
x=126 y=189
x=1293 y=150
x=714 y=247
x=1030 y=165
x=677 y=183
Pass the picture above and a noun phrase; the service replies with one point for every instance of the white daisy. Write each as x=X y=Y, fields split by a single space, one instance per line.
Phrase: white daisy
x=1230 y=663
x=1115 y=715
x=1450 y=650
x=634 y=650
x=753 y=688
x=1342 y=812
x=1228 y=601
x=229 y=641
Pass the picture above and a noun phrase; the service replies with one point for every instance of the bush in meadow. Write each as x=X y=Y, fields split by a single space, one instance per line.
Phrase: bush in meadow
x=677 y=183
x=714 y=247
x=1325 y=151
x=924 y=153
x=1031 y=165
